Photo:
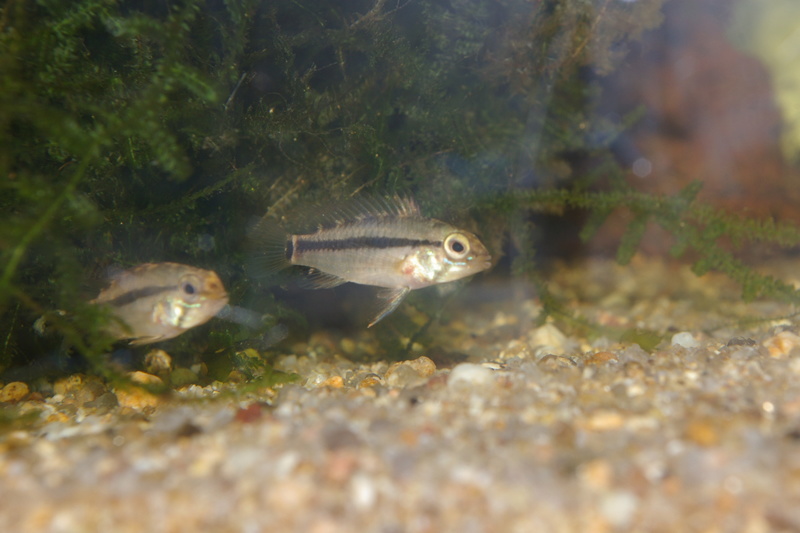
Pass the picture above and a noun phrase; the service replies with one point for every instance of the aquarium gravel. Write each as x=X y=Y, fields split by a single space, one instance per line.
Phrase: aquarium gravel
x=688 y=420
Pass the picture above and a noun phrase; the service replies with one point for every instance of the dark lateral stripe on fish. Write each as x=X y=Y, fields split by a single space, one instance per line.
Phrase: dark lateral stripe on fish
x=352 y=243
x=132 y=296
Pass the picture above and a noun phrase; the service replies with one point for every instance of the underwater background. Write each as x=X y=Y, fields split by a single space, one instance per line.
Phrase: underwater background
x=627 y=361
x=137 y=132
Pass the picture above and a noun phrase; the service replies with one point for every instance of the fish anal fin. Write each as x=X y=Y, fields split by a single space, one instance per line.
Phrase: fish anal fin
x=391 y=299
x=316 y=279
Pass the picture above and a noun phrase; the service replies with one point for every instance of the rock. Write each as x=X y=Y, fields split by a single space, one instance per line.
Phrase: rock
x=334 y=382
x=605 y=420
x=685 y=339
x=137 y=398
x=600 y=358
x=409 y=373
x=158 y=362
x=703 y=432
x=183 y=376
x=470 y=375
x=14 y=392
x=144 y=378
x=619 y=508
x=547 y=339
x=782 y=344
x=69 y=384
x=368 y=380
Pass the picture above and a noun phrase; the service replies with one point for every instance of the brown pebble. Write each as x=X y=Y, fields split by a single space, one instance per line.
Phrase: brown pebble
x=249 y=414
x=702 y=432
x=14 y=392
x=69 y=384
x=605 y=421
x=334 y=382
x=600 y=358
x=144 y=378
x=58 y=416
x=158 y=362
x=137 y=399
x=782 y=344
x=370 y=380
x=551 y=362
x=596 y=474
x=422 y=366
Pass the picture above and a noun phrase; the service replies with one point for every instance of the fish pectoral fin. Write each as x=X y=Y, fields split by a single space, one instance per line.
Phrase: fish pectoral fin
x=138 y=341
x=315 y=279
x=391 y=299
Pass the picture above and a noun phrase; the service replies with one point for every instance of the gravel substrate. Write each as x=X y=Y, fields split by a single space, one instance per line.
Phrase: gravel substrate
x=503 y=426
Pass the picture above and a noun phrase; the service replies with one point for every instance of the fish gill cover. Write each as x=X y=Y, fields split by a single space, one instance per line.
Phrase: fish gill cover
x=147 y=132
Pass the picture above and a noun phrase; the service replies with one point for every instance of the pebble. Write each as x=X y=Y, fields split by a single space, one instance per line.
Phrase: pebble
x=69 y=384
x=144 y=378
x=605 y=421
x=14 y=392
x=619 y=507
x=596 y=474
x=409 y=373
x=702 y=432
x=548 y=338
x=158 y=362
x=334 y=382
x=137 y=398
x=782 y=344
x=183 y=376
x=685 y=339
x=368 y=380
x=600 y=358
x=469 y=374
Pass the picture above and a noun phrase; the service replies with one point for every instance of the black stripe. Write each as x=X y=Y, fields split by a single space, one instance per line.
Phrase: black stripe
x=132 y=296
x=354 y=243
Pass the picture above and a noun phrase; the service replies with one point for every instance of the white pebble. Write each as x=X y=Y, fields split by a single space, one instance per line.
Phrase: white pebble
x=469 y=374
x=685 y=339
x=363 y=492
x=618 y=508
x=548 y=338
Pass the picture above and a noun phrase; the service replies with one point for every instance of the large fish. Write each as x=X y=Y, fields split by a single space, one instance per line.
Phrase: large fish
x=157 y=301
x=371 y=241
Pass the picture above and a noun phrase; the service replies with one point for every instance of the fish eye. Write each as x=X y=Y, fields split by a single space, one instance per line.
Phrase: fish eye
x=456 y=245
x=188 y=288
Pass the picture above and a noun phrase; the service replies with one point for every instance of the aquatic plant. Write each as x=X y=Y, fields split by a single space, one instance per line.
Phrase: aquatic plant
x=162 y=131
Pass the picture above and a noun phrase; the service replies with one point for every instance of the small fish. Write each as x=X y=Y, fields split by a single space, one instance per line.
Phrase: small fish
x=371 y=241
x=158 y=301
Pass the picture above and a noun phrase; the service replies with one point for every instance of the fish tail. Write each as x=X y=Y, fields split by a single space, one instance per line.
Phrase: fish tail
x=268 y=249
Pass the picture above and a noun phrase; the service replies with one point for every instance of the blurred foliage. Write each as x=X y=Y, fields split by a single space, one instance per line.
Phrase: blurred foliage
x=155 y=131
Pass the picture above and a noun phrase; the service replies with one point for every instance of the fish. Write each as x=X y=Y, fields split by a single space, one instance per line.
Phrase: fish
x=154 y=302
x=369 y=240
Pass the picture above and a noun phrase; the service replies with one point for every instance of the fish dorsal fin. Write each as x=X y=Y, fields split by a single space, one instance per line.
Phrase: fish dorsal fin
x=363 y=207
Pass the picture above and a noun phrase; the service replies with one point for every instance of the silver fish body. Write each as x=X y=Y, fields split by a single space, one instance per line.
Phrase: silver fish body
x=372 y=241
x=158 y=301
